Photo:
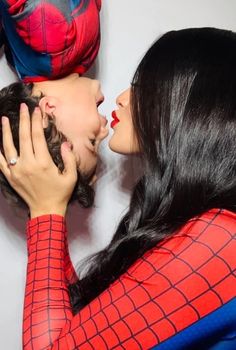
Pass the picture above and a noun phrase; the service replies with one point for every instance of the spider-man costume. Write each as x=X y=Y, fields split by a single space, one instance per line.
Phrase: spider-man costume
x=48 y=39
x=179 y=295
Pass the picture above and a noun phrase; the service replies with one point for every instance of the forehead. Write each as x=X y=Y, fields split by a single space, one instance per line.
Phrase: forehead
x=85 y=83
x=65 y=85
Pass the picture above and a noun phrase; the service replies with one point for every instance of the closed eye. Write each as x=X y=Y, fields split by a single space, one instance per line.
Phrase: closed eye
x=93 y=142
x=100 y=101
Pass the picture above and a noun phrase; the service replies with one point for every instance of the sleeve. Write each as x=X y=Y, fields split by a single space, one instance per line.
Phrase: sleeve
x=70 y=273
x=170 y=292
x=49 y=270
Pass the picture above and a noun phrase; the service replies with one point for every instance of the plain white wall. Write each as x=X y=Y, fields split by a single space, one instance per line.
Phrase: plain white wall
x=128 y=29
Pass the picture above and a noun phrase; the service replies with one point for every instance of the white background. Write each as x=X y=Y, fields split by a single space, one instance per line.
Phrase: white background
x=128 y=28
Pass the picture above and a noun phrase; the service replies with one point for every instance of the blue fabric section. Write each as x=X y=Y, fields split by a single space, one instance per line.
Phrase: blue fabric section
x=74 y=4
x=216 y=331
x=1 y=38
x=38 y=64
x=1 y=31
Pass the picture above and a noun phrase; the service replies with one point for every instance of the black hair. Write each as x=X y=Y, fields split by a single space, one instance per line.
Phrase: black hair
x=10 y=99
x=183 y=99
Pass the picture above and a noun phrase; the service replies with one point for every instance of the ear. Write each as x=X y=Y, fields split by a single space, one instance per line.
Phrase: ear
x=48 y=106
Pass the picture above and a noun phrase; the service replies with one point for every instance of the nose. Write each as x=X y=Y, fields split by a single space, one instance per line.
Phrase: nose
x=103 y=121
x=103 y=132
x=123 y=99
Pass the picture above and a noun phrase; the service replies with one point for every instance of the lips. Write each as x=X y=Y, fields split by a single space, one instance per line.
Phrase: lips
x=115 y=119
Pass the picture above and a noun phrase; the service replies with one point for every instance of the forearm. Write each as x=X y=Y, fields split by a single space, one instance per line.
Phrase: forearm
x=47 y=307
x=70 y=273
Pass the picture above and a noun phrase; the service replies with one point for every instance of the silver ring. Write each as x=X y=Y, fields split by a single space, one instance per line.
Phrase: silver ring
x=12 y=161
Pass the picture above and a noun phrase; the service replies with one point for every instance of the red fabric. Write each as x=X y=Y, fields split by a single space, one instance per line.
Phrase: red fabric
x=171 y=287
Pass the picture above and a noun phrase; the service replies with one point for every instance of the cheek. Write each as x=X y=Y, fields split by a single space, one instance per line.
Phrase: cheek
x=78 y=119
x=64 y=123
x=74 y=130
x=86 y=159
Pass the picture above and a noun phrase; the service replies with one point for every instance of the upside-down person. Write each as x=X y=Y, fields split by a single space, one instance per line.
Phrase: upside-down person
x=51 y=44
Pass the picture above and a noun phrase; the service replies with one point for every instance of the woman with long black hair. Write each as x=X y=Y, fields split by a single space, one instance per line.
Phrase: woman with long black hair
x=167 y=279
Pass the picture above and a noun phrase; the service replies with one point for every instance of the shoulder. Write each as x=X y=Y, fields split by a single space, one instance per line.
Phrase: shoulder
x=207 y=241
x=215 y=220
x=212 y=231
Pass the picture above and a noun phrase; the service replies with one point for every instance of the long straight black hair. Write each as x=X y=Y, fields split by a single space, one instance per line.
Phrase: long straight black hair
x=183 y=99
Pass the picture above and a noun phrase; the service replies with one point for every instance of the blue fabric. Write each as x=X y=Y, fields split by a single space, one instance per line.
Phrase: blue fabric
x=26 y=61
x=216 y=331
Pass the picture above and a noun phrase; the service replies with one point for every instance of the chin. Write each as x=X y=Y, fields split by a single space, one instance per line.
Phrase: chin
x=117 y=148
x=113 y=147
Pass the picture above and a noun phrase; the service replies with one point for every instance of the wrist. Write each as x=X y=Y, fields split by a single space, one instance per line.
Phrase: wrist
x=36 y=212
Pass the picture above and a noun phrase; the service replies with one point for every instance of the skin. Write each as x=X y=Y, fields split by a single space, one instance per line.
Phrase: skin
x=73 y=101
x=35 y=177
x=123 y=140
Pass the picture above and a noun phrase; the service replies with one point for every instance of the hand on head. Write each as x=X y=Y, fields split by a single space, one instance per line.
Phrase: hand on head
x=35 y=177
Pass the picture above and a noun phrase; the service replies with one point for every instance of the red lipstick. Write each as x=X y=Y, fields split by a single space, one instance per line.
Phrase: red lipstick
x=115 y=119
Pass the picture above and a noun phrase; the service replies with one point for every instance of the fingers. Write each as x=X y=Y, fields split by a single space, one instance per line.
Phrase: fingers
x=4 y=167
x=8 y=144
x=38 y=138
x=69 y=160
x=25 y=142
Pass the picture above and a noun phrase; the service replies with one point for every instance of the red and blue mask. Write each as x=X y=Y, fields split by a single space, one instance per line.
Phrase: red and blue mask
x=52 y=38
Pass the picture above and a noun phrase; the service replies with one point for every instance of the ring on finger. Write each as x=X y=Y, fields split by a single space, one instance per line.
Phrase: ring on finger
x=13 y=161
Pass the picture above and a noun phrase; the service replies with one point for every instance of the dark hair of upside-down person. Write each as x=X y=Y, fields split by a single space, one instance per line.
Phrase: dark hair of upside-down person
x=183 y=98
x=10 y=99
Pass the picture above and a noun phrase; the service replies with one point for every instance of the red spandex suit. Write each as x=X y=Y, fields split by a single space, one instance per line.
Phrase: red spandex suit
x=179 y=295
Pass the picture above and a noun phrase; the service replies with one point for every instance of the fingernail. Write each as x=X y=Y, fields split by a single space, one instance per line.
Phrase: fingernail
x=37 y=109
x=4 y=120
x=23 y=107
